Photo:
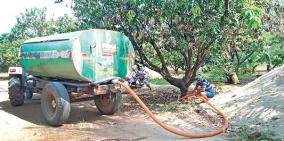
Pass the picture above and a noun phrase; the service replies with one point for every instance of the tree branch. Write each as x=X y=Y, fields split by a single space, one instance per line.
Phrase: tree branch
x=226 y=13
x=188 y=58
x=140 y=52
x=160 y=56
x=248 y=56
x=237 y=56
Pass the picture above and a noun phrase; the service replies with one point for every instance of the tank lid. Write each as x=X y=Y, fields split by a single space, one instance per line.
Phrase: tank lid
x=56 y=37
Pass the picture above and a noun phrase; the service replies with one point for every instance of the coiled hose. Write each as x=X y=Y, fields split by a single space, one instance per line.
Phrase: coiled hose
x=173 y=130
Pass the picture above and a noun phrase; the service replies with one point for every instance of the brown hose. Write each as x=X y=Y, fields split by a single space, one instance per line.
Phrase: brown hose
x=173 y=130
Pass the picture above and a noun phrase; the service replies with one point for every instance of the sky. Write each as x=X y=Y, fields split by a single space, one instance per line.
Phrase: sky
x=10 y=9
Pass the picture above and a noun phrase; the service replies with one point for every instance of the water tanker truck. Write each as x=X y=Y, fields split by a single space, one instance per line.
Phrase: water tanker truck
x=64 y=66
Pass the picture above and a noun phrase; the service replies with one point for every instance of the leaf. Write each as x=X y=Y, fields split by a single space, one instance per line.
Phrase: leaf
x=196 y=10
x=130 y=15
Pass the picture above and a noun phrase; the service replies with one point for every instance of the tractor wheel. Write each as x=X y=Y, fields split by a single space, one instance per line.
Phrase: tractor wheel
x=108 y=104
x=15 y=91
x=55 y=103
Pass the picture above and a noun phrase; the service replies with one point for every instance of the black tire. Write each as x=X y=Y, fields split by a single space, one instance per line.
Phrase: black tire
x=15 y=91
x=55 y=103
x=108 y=104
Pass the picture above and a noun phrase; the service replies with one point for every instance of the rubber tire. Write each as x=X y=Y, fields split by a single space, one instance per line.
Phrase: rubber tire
x=108 y=104
x=60 y=114
x=15 y=91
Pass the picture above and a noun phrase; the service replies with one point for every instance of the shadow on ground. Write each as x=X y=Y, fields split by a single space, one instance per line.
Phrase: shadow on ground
x=31 y=112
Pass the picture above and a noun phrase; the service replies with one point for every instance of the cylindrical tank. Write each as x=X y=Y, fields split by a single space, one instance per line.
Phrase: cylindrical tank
x=89 y=55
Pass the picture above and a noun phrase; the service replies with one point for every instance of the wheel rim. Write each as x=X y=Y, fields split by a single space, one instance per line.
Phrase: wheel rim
x=106 y=99
x=51 y=104
x=109 y=103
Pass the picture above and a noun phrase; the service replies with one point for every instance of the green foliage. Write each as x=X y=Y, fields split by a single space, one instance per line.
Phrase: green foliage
x=32 y=23
x=184 y=35
x=169 y=107
x=189 y=106
x=273 y=49
x=173 y=106
x=252 y=13
x=159 y=81
x=8 y=54
x=64 y=24
x=214 y=75
x=247 y=77
x=253 y=37
x=165 y=34
x=196 y=10
x=177 y=34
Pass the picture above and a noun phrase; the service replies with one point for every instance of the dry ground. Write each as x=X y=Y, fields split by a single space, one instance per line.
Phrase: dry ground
x=258 y=105
x=27 y=123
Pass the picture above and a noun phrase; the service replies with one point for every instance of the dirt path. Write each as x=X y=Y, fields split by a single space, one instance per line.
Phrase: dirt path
x=26 y=123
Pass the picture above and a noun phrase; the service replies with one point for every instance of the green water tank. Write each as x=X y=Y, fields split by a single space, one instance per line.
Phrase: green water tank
x=89 y=55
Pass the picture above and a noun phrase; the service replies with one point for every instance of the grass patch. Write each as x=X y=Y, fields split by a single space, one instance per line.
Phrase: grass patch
x=246 y=133
x=159 y=81
x=169 y=107
x=163 y=107
x=173 y=106
x=215 y=75
x=219 y=75
x=247 y=77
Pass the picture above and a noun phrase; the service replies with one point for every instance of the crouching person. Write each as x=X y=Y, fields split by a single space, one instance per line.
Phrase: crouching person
x=203 y=88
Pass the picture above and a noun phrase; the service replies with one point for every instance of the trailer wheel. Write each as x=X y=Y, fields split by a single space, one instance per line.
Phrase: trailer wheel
x=15 y=91
x=108 y=104
x=55 y=103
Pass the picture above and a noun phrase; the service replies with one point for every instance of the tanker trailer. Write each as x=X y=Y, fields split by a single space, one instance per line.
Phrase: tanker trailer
x=63 y=66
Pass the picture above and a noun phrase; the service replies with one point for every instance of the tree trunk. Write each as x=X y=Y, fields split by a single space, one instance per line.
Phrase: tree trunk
x=237 y=68
x=176 y=71
x=183 y=90
x=183 y=87
x=268 y=67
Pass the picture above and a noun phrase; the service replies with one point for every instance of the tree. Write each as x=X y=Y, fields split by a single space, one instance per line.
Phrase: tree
x=242 y=44
x=161 y=28
x=272 y=53
x=64 y=24
x=8 y=54
x=32 y=23
x=273 y=35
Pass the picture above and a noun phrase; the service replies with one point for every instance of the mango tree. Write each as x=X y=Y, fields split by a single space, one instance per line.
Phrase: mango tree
x=161 y=28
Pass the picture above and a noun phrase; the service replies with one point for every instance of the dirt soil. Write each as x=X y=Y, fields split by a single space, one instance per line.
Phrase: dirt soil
x=27 y=123
x=258 y=104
